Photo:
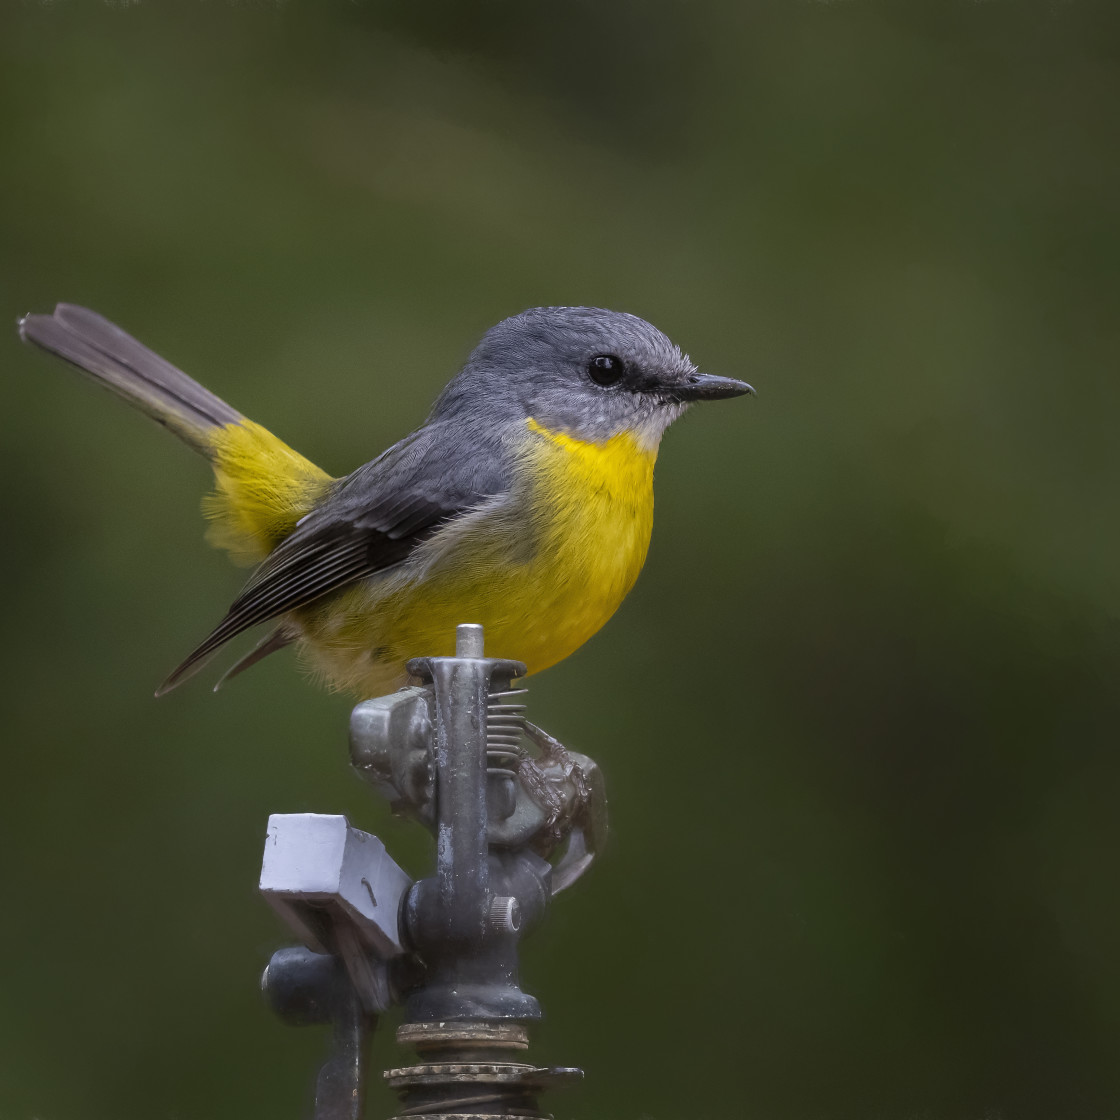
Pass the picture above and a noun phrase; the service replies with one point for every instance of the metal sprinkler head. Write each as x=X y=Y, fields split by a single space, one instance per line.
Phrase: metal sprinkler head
x=517 y=818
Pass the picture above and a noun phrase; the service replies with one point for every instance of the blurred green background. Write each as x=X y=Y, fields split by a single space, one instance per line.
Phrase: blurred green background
x=859 y=719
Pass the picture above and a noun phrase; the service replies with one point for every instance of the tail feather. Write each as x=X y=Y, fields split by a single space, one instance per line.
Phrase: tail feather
x=262 y=486
x=116 y=360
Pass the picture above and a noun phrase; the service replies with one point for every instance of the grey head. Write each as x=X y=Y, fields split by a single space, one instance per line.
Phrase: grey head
x=583 y=371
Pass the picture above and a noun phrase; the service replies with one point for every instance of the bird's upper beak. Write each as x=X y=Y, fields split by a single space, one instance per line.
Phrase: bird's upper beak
x=709 y=387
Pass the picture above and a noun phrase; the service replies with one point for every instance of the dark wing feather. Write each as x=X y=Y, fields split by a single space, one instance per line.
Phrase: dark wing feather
x=369 y=523
x=273 y=641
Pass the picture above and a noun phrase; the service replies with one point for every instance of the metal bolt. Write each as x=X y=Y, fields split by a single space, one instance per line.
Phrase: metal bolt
x=505 y=914
x=469 y=640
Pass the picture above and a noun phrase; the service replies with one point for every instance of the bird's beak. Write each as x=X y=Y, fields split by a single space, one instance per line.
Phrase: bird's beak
x=709 y=387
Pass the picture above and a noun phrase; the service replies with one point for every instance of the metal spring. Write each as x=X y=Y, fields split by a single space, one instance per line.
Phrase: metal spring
x=505 y=723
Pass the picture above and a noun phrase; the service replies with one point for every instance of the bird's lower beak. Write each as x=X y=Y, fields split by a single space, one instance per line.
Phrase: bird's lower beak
x=709 y=387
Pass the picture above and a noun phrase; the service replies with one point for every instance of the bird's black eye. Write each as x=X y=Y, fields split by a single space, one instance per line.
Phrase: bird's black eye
x=606 y=369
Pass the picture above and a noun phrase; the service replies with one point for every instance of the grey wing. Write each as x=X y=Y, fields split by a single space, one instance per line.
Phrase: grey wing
x=371 y=522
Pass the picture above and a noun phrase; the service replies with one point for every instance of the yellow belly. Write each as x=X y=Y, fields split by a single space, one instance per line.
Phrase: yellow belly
x=541 y=573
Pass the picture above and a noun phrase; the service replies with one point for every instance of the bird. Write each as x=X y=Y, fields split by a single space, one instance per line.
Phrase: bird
x=524 y=502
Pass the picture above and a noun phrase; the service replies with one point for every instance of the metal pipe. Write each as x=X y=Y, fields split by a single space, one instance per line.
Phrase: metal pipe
x=461 y=689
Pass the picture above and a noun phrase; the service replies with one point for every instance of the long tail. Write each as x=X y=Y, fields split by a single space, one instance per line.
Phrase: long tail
x=262 y=487
x=132 y=371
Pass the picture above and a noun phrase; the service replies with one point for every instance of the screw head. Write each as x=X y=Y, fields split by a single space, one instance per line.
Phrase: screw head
x=505 y=914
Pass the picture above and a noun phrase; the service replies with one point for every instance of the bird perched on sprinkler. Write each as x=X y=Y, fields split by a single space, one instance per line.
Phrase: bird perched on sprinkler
x=524 y=502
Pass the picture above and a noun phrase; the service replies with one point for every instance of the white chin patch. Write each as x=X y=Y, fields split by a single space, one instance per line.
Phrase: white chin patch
x=649 y=429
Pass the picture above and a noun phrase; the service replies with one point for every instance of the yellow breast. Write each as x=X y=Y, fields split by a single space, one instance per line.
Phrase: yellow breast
x=542 y=573
x=592 y=515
